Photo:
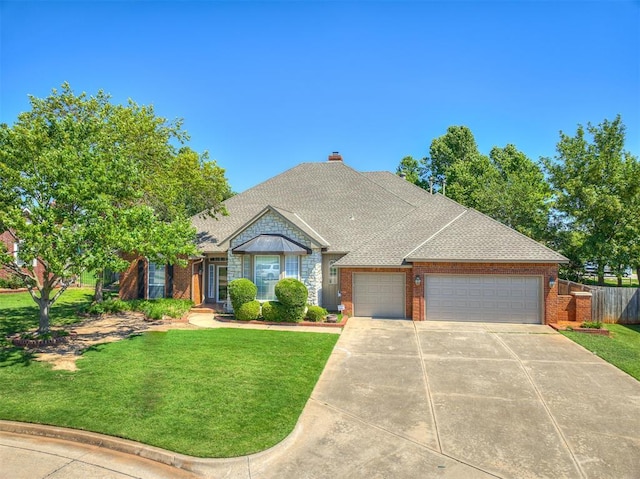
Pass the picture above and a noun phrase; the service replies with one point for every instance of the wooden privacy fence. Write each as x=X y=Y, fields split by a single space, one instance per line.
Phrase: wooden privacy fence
x=615 y=305
x=608 y=304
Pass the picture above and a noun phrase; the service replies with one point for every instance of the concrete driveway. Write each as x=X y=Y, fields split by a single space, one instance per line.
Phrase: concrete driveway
x=455 y=400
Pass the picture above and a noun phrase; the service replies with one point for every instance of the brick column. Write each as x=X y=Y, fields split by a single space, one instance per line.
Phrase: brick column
x=583 y=305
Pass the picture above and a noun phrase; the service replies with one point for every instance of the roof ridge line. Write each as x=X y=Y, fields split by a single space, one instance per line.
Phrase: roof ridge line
x=363 y=175
x=436 y=233
x=310 y=227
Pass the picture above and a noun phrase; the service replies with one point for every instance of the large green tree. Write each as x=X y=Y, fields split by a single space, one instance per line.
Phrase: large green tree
x=506 y=185
x=74 y=171
x=595 y=181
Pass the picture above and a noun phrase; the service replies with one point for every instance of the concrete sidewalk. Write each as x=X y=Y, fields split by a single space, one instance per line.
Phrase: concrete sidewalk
x=455 y=400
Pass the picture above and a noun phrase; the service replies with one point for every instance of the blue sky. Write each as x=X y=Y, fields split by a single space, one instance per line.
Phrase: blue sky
x=264 y=86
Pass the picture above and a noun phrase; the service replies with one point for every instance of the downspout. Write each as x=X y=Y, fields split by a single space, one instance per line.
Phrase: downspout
x=193 y=272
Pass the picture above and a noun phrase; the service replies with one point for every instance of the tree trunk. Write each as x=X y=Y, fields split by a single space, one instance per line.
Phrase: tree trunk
x=99 y=294
x=44 y=303
x=601 y=278
x=619 y=277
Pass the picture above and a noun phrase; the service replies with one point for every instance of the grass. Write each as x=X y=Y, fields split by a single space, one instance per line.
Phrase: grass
x=206 y=393
x=19 y=312
x=622 y=348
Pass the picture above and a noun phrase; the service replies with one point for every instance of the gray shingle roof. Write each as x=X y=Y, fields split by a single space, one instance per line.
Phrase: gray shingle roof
x=378 y=218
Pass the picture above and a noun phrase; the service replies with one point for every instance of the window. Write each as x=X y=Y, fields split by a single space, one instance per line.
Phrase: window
x=292 y=267
x=267 y=274
x=210 y=282
x=246 y=266
x=156 y=280
x=333 y=272
x=16 y=256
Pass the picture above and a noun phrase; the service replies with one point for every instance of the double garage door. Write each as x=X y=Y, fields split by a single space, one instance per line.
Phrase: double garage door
x=485 y=298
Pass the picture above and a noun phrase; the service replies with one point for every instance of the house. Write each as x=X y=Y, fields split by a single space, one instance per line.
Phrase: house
x=371 y=242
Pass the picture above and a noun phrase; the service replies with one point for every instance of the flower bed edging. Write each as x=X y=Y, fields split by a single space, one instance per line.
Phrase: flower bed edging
x=36 y=343
x=601 y=332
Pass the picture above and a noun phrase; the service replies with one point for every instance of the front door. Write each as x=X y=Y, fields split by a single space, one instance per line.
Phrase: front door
x=330 y=282
x=221 y=284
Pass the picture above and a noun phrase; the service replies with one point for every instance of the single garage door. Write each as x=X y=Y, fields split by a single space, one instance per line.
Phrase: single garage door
x=486 y=298
x=378 y=295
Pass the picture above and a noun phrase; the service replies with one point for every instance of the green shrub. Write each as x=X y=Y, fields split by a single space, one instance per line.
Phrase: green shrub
x=248 y=311
x=293 y=296
x=110 y=306
x=316 y=313
x=241 y=291
x=12 y=282
x=591 y=325
x=272 y=311
x=158 y=308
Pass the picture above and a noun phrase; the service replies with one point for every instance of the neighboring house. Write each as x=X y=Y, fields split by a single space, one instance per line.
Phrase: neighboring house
x=13 y=247
x=372 y=242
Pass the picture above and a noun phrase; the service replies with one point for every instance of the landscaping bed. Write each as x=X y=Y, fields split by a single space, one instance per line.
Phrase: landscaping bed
x=230 y=318
x=576 y=327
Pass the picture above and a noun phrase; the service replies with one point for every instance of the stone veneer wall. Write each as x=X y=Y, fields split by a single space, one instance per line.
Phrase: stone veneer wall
x=271 y=223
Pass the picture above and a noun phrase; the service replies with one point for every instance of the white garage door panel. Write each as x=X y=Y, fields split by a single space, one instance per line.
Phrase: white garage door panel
x=378 y=295
x=487 y=298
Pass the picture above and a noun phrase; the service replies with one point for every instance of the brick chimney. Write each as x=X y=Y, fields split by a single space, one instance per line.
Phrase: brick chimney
x=335 y=156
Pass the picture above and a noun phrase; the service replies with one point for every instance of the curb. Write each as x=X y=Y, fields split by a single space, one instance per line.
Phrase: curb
x=153 y=453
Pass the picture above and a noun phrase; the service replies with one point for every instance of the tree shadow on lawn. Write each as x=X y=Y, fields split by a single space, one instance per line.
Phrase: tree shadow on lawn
x=11 y=355
x=23 y=318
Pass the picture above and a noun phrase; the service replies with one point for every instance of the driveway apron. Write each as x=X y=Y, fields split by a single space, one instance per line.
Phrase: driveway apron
x=405 y=400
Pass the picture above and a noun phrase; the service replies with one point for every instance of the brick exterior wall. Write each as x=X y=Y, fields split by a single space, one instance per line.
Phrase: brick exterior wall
x=129 y=279
x=414 y=298
x=182 y=281
x=575 y=306
x=566 y=308
x=583 y=306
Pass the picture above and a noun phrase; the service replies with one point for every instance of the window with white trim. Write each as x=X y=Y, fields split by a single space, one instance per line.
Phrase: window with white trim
x=16 y=255
x=266 y=275
x=156 y=280
x=246 y=266
x=292 y=266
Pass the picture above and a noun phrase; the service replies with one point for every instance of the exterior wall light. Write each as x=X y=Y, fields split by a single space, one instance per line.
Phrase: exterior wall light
x=552 y=282
x=418 y=280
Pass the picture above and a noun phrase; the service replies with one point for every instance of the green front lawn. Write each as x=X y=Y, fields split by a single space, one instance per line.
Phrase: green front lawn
x=622 y=348
x=207 y=393
x=19 y=312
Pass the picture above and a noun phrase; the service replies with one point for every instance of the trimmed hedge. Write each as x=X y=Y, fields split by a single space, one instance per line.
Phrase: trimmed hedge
x=241 y=291
x=316 y=313
x=248 y=311
x=292 y=294
x=272 y=311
